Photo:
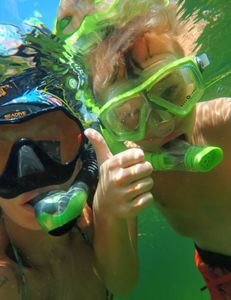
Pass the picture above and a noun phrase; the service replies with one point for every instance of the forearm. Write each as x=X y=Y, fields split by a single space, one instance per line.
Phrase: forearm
x=116 y=257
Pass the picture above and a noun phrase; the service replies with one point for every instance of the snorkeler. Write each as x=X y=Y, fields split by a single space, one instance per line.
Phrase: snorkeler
x=55 y=243
x=148 y=94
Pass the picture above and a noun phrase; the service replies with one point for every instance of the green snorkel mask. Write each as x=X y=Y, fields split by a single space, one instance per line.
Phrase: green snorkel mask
x=157 y=96
x=172 y=90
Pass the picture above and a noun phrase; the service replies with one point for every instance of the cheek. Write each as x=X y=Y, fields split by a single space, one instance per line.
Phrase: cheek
x=187 y=123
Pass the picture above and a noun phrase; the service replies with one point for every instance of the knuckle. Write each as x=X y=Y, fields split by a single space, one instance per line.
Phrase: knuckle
x=148 y=165
x=150 y=182
x=144 y=200
x=136 y=153
x=119 y=179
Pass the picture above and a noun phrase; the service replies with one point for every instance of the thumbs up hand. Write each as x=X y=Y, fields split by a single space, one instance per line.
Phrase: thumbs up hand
x=125 y=179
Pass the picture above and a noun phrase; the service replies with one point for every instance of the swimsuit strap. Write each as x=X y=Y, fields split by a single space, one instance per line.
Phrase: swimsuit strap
x=25 y=294
x=84 y=235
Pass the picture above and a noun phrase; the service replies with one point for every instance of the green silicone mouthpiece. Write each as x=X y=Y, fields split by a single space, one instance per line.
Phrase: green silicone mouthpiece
x=194 y=158
x=202 y=159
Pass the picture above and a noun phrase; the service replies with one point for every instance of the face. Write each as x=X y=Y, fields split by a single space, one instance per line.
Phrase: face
x=152 y=52
x=57 y=146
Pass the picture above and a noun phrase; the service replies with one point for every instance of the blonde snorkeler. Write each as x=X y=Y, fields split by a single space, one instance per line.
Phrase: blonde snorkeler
x=148 y=92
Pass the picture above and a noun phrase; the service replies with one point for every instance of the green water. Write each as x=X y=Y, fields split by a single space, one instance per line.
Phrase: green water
x=215 y=41
x=167 y=265
x=167 y=269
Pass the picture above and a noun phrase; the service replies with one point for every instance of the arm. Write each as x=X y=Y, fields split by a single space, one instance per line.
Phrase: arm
x=213 y=121
x=123 y=191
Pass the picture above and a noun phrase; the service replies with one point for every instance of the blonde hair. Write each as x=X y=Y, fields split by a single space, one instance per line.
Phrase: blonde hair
x=107 y=58
x=127 y=23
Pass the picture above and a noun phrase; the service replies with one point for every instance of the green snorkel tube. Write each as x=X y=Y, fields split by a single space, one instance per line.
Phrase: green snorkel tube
x=180 y=156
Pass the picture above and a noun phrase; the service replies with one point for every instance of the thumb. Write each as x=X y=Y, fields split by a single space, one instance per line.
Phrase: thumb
x=99 y=144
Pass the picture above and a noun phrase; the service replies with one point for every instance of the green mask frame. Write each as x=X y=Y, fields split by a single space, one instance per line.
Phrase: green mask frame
x=143 y=97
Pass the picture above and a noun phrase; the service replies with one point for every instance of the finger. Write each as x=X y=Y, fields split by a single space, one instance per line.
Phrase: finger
x=102 y=151
x=139 y=187
x=133 y=208
x=126 y=176
x=139 y=203
x=128 y=158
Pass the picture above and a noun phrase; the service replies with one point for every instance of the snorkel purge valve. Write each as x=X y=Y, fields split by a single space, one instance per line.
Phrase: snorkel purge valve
x=57 y=211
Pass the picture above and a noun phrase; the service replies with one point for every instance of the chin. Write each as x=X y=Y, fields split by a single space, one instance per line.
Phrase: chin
x=149 y=146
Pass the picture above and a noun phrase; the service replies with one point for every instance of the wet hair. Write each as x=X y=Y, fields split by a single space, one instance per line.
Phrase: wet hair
x=109 y=59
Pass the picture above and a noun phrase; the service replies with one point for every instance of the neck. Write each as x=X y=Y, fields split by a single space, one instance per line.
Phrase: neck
x=37 y=246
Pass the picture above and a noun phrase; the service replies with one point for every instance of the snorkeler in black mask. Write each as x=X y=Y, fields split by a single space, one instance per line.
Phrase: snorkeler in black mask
x=42 y=131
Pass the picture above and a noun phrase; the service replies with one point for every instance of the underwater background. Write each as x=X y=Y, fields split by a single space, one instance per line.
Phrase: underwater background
x=166 y=259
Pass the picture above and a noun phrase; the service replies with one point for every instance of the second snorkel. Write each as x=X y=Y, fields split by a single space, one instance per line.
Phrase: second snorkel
x=180 y=156
x=56 y=211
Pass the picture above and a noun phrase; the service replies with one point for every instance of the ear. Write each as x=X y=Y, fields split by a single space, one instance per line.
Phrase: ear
x=86 y=218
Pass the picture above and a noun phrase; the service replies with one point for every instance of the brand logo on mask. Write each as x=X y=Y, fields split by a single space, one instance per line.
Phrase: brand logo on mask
x=15 y=115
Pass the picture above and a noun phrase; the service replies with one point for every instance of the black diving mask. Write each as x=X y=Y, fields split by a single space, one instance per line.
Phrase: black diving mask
x=38 y=152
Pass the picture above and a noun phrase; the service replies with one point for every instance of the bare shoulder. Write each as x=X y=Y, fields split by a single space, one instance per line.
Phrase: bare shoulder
x=214 y=112
x=213 y=120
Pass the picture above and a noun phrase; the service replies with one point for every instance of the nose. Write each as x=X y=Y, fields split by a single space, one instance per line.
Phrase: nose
x=28 y=162
x=160 y=123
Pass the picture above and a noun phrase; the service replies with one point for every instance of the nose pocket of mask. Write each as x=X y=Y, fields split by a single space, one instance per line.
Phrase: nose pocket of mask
x=28 y=162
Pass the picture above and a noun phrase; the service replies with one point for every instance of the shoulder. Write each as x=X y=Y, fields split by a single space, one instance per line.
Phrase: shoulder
x=213 y=121
x=214 y=112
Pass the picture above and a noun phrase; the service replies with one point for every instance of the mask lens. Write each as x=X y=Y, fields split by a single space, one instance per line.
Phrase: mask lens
x=176 y=88
x=125 y=118
x=54 y=132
